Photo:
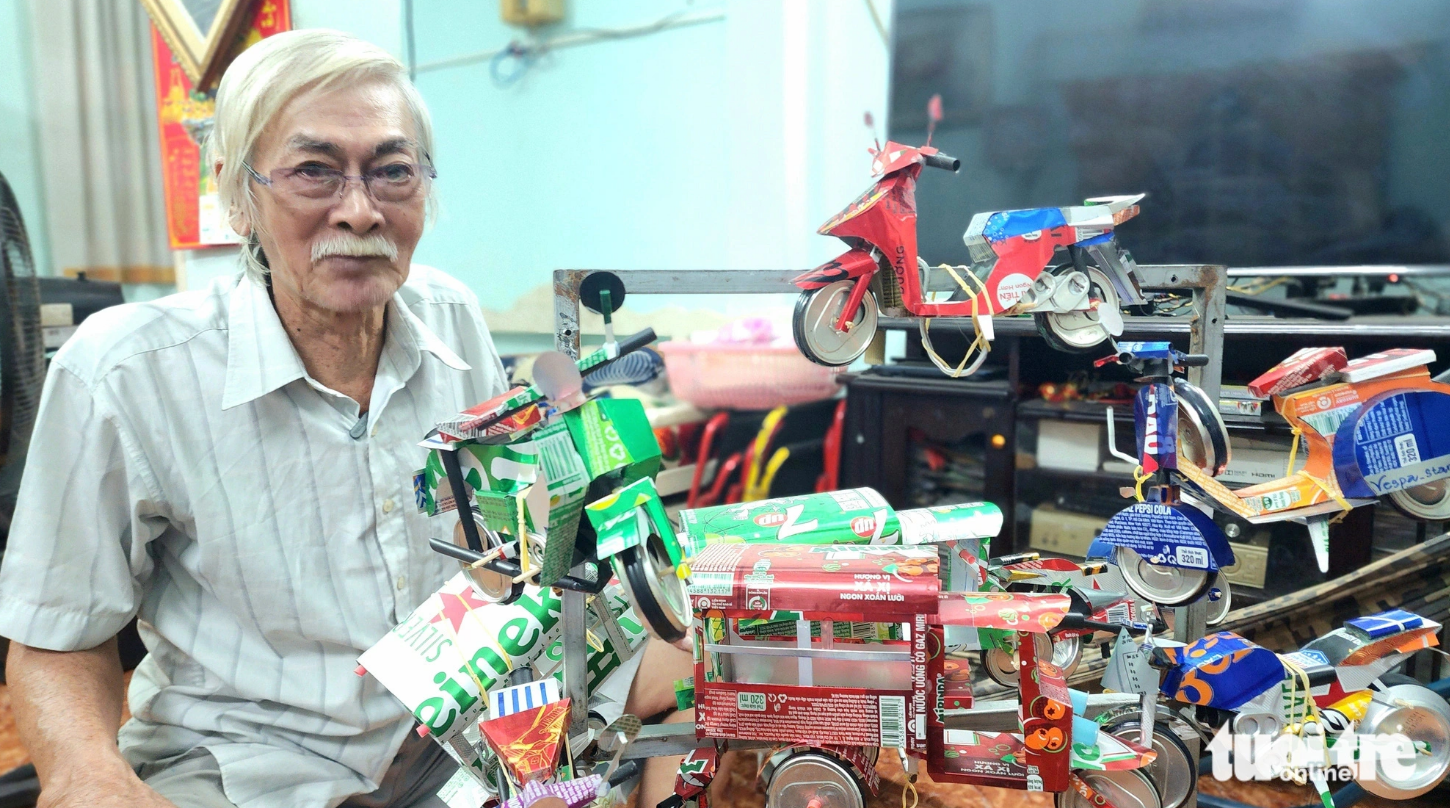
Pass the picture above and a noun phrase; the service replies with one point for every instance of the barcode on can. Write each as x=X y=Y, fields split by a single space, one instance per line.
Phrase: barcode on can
x=1327 y=422
x=893 y=721
x=1120 y=614
x=561 y=462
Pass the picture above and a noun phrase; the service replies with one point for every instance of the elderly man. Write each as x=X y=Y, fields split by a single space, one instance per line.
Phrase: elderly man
x=232 y=466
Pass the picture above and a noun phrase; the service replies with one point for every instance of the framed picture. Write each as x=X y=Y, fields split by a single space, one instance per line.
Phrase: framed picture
x=194 y=217
x=199 y=32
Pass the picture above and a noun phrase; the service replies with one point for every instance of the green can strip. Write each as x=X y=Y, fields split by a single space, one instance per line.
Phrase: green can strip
x=851 y=516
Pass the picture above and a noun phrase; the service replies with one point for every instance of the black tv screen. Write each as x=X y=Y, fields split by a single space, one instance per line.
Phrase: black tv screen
x=1264 y=132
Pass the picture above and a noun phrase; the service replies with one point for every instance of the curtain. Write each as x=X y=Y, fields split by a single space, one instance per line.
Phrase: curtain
x=100 y=152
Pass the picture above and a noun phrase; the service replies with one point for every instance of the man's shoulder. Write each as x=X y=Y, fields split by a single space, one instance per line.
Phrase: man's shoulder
x=111 y=336
x=427 y=286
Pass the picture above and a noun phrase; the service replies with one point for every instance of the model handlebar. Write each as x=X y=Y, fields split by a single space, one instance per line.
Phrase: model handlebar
x=628 y=345
x=510 y=568
x=1194 y=360
x=626 y=771
x=1072 y=621
x=944 y=161
x=634 y=342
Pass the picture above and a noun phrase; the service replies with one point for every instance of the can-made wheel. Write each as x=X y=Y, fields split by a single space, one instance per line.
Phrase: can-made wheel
x=811 y=780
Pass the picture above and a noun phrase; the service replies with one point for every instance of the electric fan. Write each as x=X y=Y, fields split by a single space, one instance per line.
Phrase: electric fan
x=22 y=351
x=22 y=369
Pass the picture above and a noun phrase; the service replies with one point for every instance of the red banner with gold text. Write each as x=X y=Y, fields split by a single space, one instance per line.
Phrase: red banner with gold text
x=193 y=217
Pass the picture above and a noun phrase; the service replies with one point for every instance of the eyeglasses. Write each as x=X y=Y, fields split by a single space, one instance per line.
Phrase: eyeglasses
x=394 y=182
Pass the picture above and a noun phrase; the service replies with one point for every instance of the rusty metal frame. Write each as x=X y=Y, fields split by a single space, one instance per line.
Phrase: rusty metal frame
x=1207 y=283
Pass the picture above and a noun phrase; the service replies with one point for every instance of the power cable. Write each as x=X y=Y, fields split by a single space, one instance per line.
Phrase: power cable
x=527 y=52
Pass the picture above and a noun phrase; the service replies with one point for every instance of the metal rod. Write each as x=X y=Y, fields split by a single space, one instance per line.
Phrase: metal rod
x=566 y=311
x=462 y=500
x=576 y=661
x=1421 y=270
x=679 y=19
x=1004 y=716
x=1206 y=330
x=822 y=653
x=659 y=740
x=1426 y=328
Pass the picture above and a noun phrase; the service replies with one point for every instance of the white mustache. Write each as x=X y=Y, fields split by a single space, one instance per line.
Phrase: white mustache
x=372 y=245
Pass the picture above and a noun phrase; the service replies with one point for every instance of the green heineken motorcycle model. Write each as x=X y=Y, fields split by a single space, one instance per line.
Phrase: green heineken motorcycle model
x=554 y=485
x=525 y=463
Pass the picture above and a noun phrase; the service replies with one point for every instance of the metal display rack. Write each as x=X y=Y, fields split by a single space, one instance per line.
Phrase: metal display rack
x=1207 y=284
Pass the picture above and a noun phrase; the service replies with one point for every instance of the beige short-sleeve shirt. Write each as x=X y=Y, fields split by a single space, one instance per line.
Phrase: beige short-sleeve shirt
x=185 y=469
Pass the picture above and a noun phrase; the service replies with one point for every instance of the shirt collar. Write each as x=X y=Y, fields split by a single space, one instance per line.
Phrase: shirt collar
x=261 y=357
x=421 y=335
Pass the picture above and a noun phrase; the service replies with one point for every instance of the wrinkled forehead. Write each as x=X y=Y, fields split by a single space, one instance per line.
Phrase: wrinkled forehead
x=363 y=121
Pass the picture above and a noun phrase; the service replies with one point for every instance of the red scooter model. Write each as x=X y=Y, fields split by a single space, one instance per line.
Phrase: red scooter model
x=835 y=317
x=1076 y=304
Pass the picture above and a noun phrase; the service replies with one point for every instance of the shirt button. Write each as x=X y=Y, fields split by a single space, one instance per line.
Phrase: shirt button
x=375 y=429
x=388 y=508
x=402 y=582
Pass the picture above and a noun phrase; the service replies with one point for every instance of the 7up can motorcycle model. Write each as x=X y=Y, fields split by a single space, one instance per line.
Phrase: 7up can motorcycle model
x=634 y=522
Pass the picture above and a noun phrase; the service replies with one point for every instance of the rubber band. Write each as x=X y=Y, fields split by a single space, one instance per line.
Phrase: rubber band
x=523 y=535
x=468 y=607
x=1140 y=477
x=1301 y=719
x=911 y=787
x=765 y=759
x=1333 y=493
x=1300 y=680
x=980 y=343
x=1293 y=451
x=569 y=750
x=1259 y=287
x=936 y=359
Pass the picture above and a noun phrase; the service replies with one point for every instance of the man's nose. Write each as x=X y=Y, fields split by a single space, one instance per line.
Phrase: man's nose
x=356 y=210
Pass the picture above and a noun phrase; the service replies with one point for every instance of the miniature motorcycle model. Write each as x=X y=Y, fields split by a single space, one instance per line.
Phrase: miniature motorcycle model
x=1076 y=304
x=632 y=518
x=1374 y=426
x=1169 y=552
x=1334 y=684
x=1028 y=572
x=523 y=463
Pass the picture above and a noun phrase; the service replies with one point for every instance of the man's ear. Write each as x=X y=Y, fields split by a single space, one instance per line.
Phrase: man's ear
x=235 y=217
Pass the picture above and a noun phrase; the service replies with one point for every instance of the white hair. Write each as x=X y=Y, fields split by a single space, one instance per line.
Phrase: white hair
x=268 y=75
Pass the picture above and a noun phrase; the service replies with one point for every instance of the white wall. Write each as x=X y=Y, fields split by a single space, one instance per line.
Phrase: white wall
x=19 y=152
x=717 y=146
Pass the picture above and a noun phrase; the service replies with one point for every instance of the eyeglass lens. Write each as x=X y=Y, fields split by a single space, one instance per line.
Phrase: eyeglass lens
x=396 y=182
